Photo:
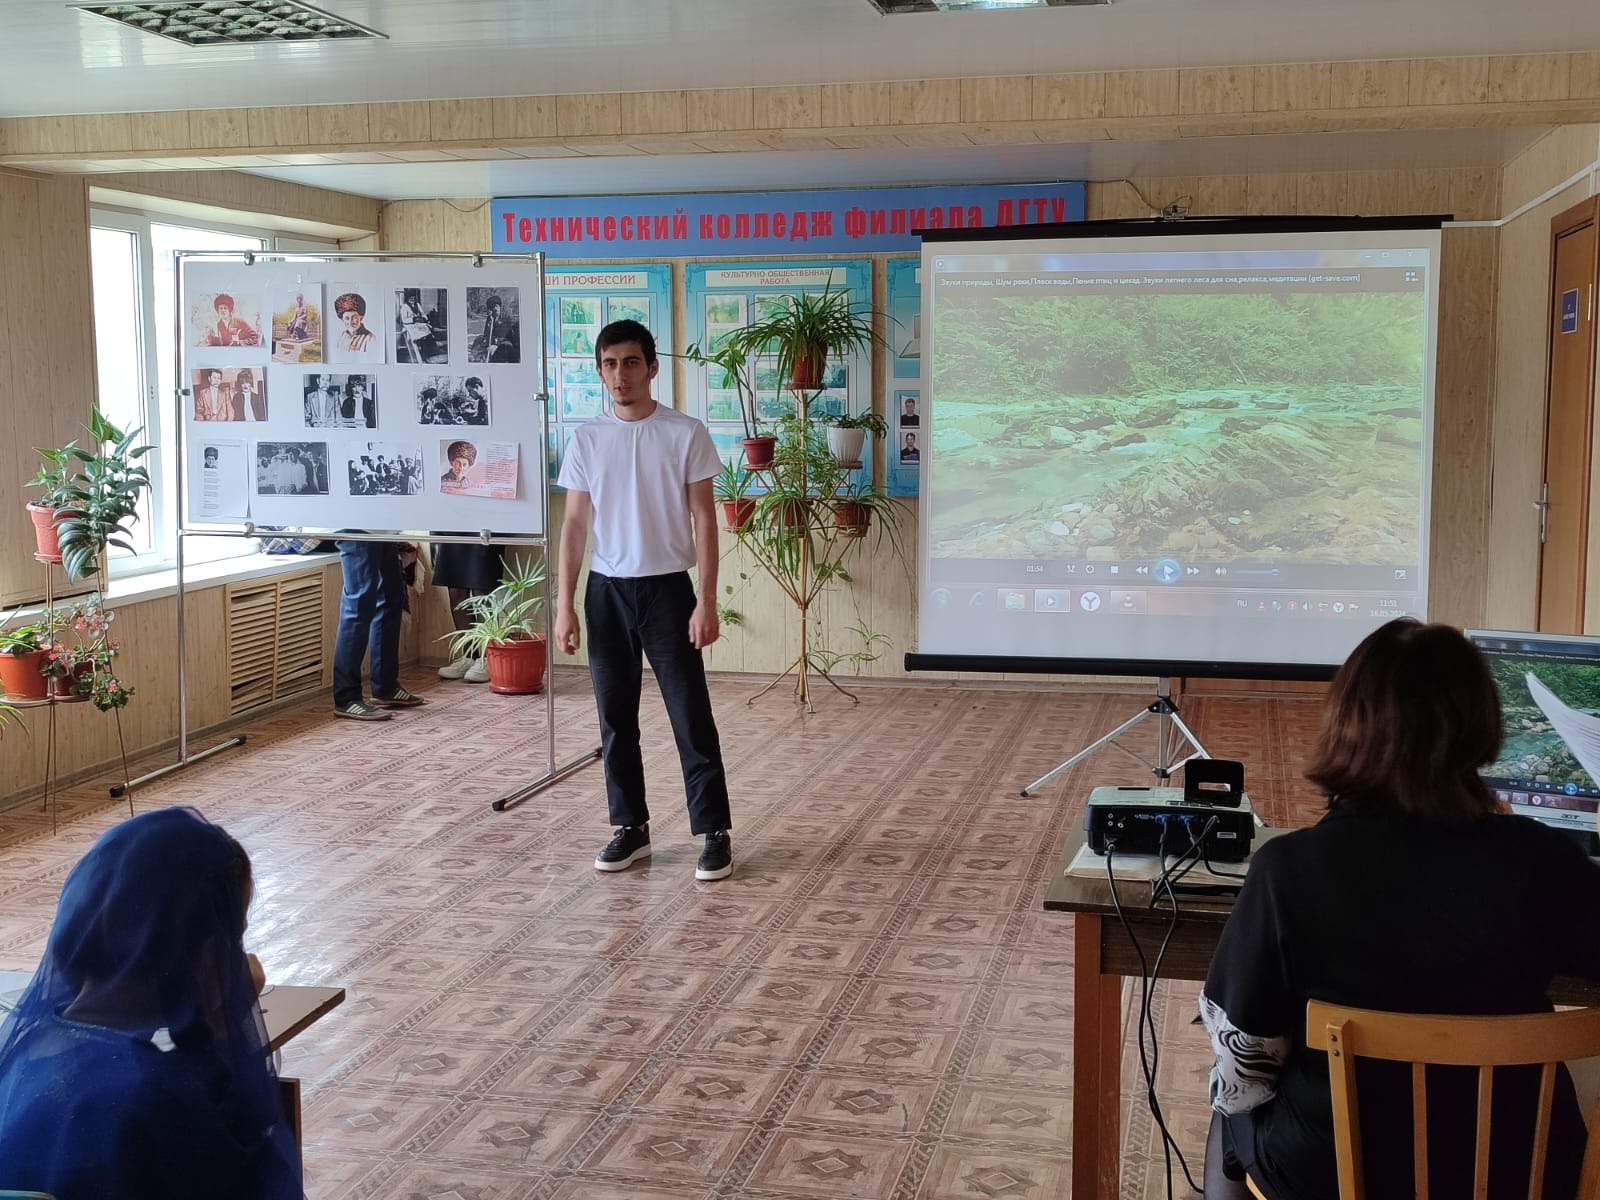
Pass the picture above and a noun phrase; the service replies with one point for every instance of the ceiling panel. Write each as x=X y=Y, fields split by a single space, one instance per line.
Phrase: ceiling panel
x=56 y=59
x=775 y=171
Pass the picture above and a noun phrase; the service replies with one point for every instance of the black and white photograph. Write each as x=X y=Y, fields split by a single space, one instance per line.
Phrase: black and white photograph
x=352 y=338
x=291 y=468
x=422 y=326
x=340 y=401
x=493 y=325
x=384 y=469
x=452 y=400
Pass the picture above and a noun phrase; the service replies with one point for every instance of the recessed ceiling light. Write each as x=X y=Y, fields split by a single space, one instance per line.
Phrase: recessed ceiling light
x=897 y=7
x=232 y=22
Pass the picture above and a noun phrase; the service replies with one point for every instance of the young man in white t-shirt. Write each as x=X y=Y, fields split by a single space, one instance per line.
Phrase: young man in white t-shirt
x=643 y=472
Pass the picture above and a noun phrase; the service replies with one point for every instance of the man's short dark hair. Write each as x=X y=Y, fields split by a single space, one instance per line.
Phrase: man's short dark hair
x=619 y=332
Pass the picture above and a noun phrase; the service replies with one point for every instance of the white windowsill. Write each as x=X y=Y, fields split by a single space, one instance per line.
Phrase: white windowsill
x=155 y=585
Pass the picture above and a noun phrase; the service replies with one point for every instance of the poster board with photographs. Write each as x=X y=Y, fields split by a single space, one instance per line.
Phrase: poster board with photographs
x=331 y=394
x=903 y=456
x=719 y=297
x=579 y=302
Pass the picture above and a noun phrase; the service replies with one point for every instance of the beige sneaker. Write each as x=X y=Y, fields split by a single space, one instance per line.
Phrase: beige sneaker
x=478 y=672
x=456 y=669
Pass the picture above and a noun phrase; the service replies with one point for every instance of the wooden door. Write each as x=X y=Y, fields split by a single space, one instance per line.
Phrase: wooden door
x=1569 y=418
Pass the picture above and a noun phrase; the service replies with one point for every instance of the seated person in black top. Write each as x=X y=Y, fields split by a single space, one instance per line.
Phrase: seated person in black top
x=1413 y=894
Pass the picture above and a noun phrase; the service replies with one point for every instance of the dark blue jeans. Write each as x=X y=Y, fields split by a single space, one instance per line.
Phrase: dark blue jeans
x=369 y=619
x=650 y=615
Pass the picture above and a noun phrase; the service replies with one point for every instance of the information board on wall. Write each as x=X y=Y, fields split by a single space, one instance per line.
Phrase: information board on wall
x=579 y=303
x=903 y=404
x=723 y=296
x=335 y=394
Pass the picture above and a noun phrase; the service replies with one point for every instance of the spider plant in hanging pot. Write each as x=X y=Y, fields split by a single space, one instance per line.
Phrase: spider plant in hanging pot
x=808 y=332
x=728 y=369
x=847 y=435
x=732 y=488
x=92 y=494
x=505 y=630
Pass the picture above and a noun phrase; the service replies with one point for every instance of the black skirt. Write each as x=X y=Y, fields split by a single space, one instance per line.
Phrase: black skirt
x=476 y=568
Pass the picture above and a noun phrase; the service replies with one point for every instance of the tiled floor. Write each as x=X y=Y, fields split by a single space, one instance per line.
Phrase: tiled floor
x=874 y=1005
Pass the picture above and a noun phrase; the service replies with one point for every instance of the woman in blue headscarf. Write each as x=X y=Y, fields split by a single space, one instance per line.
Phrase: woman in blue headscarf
x=135 y=1064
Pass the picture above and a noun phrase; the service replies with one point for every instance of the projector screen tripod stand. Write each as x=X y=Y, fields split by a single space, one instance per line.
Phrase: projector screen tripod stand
x=1172 y=738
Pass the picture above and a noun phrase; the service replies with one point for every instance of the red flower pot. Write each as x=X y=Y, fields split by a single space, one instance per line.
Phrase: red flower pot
x=758 y=451
x=736 y=514
x=806 y=373
x=20 y=676
x=516 y=668
x=852 y=518
x=44 y=533
x=67 y=684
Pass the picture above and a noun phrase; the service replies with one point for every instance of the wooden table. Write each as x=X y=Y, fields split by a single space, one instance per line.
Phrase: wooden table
x=287 y=1009
x=1102 y=957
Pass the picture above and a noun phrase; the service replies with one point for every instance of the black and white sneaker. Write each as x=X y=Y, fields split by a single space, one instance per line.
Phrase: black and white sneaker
x=400 y=699
x=716 y=860
x=627 y=846
x=360 y=710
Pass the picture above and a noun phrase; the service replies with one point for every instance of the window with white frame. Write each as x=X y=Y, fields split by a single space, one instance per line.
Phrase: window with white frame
x=133 y=256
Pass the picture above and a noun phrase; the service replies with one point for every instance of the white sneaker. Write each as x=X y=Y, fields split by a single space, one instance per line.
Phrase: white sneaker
x=477 y=672
x=457 y=669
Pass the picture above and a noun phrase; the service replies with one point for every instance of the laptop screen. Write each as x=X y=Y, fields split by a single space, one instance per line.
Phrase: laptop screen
x=1549 y=685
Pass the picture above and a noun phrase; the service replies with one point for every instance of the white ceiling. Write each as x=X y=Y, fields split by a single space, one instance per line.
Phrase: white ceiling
x=778 y=171
x=56 y=59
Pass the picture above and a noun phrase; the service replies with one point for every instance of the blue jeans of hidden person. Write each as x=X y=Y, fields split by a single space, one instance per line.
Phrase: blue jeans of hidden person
x=370 y=609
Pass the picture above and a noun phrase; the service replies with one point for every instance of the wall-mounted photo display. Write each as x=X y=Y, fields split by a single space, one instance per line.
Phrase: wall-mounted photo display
x=422 y=326
x=356 y=309
x=478 y=468
x=384 y=469
x=903 y=368
x=225 y=318
x=451 y=399
x=334 y=401
x=292 y=468
x=359 y=373
x=494 y=318
x=297 y=324
x=228 y=393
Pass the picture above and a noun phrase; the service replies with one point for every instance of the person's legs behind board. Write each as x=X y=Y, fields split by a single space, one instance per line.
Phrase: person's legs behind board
x=1224 y=1173
x=616 y=669
x=358 y=603
x=665 y=604
x=384 y=650
x=457 y=668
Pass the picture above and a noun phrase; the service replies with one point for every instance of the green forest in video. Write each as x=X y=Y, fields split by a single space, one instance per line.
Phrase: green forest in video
x=1534 y=752
x=1204 y=427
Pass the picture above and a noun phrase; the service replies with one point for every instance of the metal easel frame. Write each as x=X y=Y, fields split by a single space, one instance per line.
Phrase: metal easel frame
x=552 y=773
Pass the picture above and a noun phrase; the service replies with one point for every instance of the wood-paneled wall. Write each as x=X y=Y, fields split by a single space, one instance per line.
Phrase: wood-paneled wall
x=86 y=740
x=1521 y=339
x=1504 y=90
x=47 y=356
x=882 y=596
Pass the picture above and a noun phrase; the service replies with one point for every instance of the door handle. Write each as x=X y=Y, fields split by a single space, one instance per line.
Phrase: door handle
x=1543 y=505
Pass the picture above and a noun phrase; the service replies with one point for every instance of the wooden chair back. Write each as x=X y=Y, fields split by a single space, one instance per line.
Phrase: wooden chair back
x=1536 y=1039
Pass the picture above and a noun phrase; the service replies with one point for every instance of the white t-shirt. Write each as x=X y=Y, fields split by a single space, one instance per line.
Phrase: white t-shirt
x=636 y=472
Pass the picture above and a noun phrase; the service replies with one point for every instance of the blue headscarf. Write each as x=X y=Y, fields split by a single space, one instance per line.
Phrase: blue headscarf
x=136 y=1062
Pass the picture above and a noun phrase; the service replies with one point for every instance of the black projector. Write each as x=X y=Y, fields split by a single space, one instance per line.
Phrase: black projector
x=1169 y=821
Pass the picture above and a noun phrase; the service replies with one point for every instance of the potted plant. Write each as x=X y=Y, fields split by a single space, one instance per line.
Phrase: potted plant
x=805 y=333
x=732 y=488
x=505 y=630
x=855 y=507
x=89 y=496
x=24 y=673
x=82 y=656
x=734 y=363
x=847 y=434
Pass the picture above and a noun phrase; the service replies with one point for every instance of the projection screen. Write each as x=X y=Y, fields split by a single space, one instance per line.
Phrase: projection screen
x=1201 y=448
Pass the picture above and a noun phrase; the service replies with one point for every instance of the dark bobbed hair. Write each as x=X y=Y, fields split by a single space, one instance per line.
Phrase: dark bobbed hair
x=1412 y=716
x=618 y=332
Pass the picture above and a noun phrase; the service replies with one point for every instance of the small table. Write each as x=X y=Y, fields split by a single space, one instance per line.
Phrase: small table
x=287 y=1009
x=1102 y=956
